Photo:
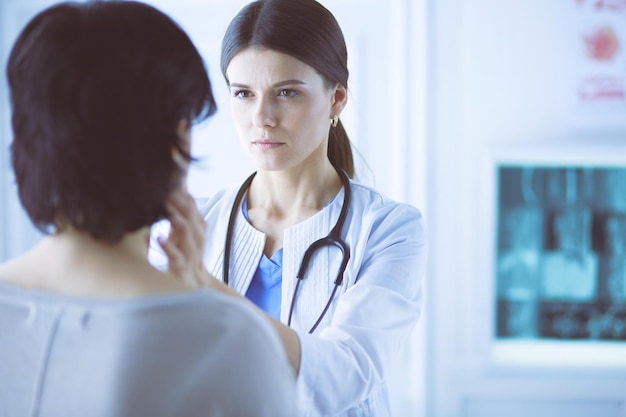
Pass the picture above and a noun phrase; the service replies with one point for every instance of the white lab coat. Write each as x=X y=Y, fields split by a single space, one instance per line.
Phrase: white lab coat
x=345 y=362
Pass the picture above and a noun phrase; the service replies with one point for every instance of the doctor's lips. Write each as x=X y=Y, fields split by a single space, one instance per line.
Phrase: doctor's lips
x=266 y=144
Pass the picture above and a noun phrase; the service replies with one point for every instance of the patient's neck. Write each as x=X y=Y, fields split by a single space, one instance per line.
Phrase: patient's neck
x=73 y=262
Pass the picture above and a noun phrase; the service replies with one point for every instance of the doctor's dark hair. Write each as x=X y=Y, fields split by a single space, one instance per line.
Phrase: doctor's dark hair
x=305 y=30
x=98 y=91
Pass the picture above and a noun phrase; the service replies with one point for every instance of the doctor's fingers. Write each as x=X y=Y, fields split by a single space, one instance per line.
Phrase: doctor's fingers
x=185 y=246
x=178 y=264
x=188 y=227
x=185 y=203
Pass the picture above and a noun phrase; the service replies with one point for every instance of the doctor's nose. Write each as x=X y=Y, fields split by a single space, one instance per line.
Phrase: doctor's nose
x=264 y=114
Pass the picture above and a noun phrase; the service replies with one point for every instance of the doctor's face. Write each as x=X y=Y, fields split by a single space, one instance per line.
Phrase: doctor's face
x=281 y=108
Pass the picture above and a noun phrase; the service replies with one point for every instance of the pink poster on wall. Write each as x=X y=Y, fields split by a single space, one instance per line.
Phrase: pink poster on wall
x=597 y=81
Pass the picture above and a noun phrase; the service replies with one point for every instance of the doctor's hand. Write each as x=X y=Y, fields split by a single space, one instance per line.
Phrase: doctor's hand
x=184 y=245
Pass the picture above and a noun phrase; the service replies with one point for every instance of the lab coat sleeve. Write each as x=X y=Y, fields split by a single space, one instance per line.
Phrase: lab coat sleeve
x=349 y=360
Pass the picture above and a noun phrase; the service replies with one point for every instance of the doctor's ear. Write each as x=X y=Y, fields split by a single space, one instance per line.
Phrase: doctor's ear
x=339 y=99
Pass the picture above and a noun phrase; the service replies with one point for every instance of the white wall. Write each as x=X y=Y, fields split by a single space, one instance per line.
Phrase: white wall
x=498 y=79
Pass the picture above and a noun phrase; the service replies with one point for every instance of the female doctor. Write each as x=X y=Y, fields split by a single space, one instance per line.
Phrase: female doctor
x=336 y=266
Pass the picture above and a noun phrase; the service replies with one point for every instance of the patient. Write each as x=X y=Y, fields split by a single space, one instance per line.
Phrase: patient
x=103 y=96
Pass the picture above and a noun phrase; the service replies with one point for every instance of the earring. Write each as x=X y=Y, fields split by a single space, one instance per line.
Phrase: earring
x=334 y=121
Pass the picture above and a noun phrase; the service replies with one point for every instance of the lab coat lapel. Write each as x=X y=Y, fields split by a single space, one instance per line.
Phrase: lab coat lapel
x=247 y=249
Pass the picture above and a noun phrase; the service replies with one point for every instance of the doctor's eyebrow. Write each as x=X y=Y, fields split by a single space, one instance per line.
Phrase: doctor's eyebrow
x=277 y=85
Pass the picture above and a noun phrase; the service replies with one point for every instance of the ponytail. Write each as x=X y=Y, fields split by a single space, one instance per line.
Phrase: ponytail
x=340 y=150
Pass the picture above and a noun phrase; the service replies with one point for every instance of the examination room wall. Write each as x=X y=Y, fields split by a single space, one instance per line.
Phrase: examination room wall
x=445 y=97
x=536 y=89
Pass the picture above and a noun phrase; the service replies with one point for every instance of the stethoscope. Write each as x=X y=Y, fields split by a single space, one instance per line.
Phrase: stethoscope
x=332 y=239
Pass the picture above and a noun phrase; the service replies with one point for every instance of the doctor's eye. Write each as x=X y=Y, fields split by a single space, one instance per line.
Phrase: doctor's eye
x=287 y=92
x=242 y=93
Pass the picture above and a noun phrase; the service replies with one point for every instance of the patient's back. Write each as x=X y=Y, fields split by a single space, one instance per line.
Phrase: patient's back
x=196 y=353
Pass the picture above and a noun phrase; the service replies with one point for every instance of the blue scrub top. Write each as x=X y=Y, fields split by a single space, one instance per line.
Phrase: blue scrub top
x=265 y=290
x=266 y=286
